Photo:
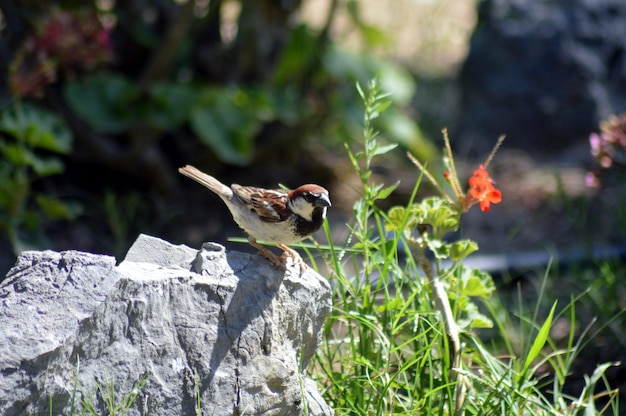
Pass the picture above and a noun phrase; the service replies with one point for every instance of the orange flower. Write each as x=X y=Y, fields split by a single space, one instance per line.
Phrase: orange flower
x=482 y=190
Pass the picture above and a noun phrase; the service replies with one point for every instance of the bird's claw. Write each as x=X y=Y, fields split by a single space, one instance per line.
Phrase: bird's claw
x=281 y=262
x=290 y=253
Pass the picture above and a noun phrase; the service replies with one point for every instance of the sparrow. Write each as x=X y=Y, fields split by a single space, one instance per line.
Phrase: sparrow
x=278 y=216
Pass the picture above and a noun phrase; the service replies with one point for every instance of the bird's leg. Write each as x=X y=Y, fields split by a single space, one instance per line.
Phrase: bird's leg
x=289 y=252
x=273 y=258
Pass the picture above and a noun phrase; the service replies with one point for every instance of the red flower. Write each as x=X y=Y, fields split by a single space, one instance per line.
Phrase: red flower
x=481 y=190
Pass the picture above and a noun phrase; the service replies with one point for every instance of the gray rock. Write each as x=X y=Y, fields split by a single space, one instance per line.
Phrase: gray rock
x=542 y=72
x=227 y=327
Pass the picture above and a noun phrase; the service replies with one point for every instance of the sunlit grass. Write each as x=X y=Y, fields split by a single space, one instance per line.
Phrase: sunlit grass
x=385 y=349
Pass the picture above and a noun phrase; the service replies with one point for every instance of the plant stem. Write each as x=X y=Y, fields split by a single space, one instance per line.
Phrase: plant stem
x=442 y=304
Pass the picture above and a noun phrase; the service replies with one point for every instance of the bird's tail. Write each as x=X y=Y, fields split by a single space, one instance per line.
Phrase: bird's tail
x=206 y=180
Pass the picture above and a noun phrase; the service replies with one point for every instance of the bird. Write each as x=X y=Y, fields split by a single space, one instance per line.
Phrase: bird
x=277 y=216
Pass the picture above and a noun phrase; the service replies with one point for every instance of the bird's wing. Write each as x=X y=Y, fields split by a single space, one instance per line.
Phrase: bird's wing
x=269 y=204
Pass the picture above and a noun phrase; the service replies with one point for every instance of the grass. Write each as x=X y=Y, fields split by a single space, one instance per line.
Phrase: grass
x=404 y=334
x=103 y=399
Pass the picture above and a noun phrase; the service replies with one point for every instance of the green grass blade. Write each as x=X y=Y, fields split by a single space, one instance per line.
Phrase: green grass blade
x=540 y=340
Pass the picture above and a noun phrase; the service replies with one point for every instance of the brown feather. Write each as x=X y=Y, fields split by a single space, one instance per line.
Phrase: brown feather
x=269 y=204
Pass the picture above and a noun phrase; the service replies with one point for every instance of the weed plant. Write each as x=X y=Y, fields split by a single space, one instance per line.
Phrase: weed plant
x=31 y=141
x=403 y=336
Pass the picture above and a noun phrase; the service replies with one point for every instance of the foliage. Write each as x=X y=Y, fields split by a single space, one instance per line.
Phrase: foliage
x=31 y=139
x=401 y=339
x=104 y=397
x=112 y=405
x=82 y=59
x=226 y=119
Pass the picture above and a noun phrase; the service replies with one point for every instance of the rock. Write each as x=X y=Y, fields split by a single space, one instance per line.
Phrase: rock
x=228 y=327
x=543 y=73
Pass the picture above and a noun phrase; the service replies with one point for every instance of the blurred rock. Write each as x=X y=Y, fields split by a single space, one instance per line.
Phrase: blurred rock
x=542 y=72
x=227 y=325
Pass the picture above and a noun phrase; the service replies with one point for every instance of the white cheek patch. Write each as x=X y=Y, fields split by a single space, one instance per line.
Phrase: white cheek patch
x=302 y=208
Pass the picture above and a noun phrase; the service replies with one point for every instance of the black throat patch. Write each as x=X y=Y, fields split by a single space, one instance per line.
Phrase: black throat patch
x=305 y=228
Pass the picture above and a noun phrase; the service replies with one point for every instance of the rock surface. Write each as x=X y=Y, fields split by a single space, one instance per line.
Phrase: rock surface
x=228 y=327
x=542 y=72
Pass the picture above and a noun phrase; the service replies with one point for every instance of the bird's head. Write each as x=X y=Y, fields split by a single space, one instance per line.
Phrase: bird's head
x=307 y=199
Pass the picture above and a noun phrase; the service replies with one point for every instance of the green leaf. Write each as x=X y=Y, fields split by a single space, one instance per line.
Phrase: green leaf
x=55 y=209
x=400 y=128
x=478 y=320
x=395 y=219
x=598 y=373
x=371 y=35
x=354 y=158
x=395 y=303
x=380 y=107
x=540 y=340
x=36 y=128
x=383 y=193
x=17 y=155
x=47 y=166
x=473 y=282
x=224 y=121
x=381 y=150
x=438 y=213
x=444 y=218
x=461 y=249
x=440 y=249
x=343 y=64
x=296 y=55
x=282 y=104
x=170 y=104
x=360 y=91
x=441 y=215
x=474 y=319
x=397 y=81
x=107 y=102
x=380 y=250
x=211 y=132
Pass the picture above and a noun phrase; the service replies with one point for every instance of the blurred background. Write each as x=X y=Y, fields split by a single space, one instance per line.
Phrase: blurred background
x=102 y=101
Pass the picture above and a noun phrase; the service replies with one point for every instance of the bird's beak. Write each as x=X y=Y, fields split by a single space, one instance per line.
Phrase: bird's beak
x=323 y=201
